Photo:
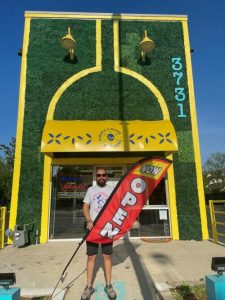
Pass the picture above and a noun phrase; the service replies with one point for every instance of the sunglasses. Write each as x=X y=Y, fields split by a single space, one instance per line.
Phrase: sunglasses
x=101 y=175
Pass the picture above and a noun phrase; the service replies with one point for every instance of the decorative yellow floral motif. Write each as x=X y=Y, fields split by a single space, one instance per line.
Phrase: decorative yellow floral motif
x=147 y=139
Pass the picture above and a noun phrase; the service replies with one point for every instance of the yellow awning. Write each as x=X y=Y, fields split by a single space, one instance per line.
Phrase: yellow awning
x=108 y=136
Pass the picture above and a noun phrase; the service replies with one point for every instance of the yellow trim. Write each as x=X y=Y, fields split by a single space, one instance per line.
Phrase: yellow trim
x=214 y=222
x=101 y=16
x=2 y=226
x=139 y=77
x=219 y=202
x=64 y=86
x=19 y=133
x=195 y=133
x=108 y=136
x=99 y=44
x=50 y=114
x=152 y=87
x=45 y=200
x=78 y=76
x=96 y=161
x=165 y=111
x=172 y=200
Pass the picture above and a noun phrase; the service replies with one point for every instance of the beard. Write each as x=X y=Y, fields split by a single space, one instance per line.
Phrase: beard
x=101 y=182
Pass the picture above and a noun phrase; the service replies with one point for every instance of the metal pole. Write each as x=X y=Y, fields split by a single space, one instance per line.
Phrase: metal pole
x=75 y=252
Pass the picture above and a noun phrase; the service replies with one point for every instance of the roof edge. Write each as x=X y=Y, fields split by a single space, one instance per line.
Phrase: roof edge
x=89 y=15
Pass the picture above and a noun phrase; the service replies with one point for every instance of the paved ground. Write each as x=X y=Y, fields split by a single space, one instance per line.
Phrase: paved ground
x=139 y=267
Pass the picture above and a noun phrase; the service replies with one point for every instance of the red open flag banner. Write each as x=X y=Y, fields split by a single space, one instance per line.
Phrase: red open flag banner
x=127 y=199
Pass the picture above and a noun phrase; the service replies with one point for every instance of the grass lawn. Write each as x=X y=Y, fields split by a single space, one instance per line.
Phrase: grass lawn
x=187 y=292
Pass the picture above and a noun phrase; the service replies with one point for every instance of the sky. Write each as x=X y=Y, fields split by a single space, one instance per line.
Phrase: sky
x=207 y=38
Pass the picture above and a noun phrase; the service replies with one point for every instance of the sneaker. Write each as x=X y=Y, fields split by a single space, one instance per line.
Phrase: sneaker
x=110 y=292
x=88 y=291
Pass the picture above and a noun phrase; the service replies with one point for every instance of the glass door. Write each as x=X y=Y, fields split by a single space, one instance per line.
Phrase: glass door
x=154 y=219
x=69 y=186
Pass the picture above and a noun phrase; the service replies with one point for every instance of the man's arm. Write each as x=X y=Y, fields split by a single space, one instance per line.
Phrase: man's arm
x=86 y=207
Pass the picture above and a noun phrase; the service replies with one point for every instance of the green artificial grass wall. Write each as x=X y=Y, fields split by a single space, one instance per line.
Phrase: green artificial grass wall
x=47 y=69
x=187 y=204
x=168 y=38
x=96 y=97
x=104 y=95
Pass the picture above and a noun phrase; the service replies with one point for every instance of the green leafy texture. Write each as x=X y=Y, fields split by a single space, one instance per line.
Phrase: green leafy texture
x=187 y=201
x=6 y=172
x=185 y=147
x=105 y=95
x=214 y=173
x=108 y=95
x=168 y=38
x=107 y=47
x=84 y=100
x=48 y=67
x=186 y=291
x=5 y=183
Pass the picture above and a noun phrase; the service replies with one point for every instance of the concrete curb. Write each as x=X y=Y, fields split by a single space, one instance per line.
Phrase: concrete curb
x=163 y=291
x=58 y=294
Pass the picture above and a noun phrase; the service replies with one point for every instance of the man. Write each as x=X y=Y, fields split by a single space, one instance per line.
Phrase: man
x=94 y=200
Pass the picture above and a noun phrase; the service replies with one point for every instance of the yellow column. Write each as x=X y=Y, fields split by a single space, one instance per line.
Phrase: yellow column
x=194 y=123
x=19 y=133
x=45 y=200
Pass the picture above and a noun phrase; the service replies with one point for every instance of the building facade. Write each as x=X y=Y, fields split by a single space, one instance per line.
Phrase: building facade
x=121 y=91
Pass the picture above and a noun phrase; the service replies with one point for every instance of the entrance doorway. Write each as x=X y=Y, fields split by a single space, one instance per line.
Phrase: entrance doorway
x=69 y=186
x=154 y=219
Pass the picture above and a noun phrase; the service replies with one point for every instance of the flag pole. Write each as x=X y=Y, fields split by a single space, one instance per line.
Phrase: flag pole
x=75 y=252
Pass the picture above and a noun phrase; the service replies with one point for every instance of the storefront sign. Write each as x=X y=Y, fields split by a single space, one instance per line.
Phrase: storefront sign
x=71 y=195
x=125 y=203
x=71 y=186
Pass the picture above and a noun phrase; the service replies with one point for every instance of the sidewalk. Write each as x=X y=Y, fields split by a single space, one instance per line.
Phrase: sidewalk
x=138 y=267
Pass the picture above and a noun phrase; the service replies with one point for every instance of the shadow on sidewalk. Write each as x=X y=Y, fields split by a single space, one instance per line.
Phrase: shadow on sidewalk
x=120 y=253
x=144 y=278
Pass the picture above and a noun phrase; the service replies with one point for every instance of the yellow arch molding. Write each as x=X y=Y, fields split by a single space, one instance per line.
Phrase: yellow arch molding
x=166 y=116
x=19 y=133
x=77 y=76
x=149 y=85
x=195 y=133
x=136 y=75
x=50 y=115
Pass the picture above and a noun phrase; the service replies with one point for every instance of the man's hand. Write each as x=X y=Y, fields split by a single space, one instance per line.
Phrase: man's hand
x=87 y=216
x=89 y=225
